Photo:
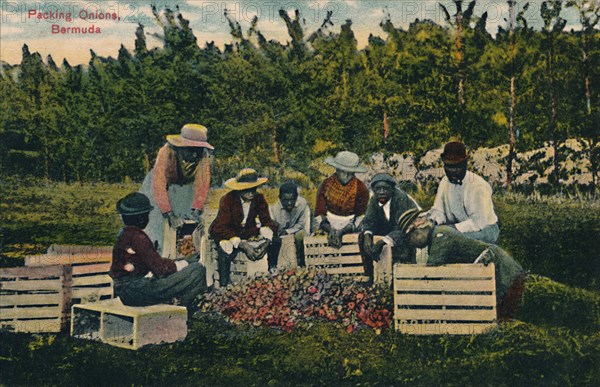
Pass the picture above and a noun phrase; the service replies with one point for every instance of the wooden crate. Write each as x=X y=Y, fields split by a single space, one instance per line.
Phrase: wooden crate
x=449 y=299
x=343 y=261
x=32 y=299
x=89 y=265
x=128 y=327
x=241 y=267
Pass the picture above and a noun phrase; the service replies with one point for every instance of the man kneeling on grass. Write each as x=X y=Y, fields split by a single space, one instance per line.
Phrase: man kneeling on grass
x=141 y=276
x=448 y=245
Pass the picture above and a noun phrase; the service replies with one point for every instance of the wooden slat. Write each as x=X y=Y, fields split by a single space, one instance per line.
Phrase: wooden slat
x=36 y=285
x=345 y=270
x=66 y=259
x=31 y=272
x=92 y=280
x=445 y=285
x=445 y=271
x=34 y=312
x=93 y=268
x=51 y=325
x=83 y=293
x=348 y=238
x=444 y=329
x=29 y=299
x=333 y=260
x=79 y=249
x=327 y=250
x=446 y=314
x=445 y=299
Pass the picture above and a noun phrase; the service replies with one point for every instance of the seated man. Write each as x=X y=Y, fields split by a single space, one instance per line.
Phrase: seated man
x=447 y=245
x=342 y=198
x=292 y=214
x=141 y=276
x=383 y=212
x=236 y=222
x=464 y=200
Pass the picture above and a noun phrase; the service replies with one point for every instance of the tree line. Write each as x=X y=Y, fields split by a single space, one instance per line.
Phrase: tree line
x=280 y=106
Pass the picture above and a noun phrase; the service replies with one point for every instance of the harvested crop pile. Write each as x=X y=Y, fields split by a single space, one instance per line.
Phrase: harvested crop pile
x=296 y=297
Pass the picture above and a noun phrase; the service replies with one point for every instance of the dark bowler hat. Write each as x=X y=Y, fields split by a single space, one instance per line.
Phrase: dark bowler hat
x=133 y=204
x=455 y=152
x=383 y=177
x=407 y=218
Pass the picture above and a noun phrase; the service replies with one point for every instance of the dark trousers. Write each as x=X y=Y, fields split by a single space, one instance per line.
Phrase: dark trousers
x=182 y=286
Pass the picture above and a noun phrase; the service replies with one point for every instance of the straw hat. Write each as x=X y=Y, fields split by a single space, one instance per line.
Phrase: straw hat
x=133 y=204
x=346 y=161
x=407 y=218
x=455 y=152
x=193 y=135
x=245 y=179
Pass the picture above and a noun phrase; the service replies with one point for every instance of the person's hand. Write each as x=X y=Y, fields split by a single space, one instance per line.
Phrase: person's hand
x=174 y=221
x=376 y=252
x=324 y=225
x=335 y=239
x=248 y=249
x=196 y=214
x=129 y=267
x=368 y=244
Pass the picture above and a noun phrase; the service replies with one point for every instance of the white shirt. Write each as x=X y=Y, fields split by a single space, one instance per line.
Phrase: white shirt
x=386 y=209
x=468 y=207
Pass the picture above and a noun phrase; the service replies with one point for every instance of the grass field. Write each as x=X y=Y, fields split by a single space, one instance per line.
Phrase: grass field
x=555 y=339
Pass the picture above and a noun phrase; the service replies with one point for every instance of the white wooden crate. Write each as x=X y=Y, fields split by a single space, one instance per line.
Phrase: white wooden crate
x=32 y=299
x=128 y=327
x=448 y=299
x=343 y=261
x=241 y=267
x=88 y=280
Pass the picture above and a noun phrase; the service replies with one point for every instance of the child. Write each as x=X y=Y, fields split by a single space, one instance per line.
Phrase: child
x=141 y=276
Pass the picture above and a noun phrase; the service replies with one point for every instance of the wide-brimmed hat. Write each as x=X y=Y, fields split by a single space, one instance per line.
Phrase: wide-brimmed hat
x=455 y=152
x=246 y=178
x=133 y=204
x=346 y=161
x=383 y=177
x=407 y=218
x=193 y=135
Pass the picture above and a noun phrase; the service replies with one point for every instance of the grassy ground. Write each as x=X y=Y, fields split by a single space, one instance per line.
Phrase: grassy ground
x=554 y=341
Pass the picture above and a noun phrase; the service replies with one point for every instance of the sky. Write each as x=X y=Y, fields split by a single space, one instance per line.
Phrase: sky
x=56 y=27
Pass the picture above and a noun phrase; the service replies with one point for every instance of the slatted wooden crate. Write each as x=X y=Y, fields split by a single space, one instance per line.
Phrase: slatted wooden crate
x=111 y=322
x=449 y=299
x=241 y=267
x=90 y=265
x=32 y=299
x=343 y=261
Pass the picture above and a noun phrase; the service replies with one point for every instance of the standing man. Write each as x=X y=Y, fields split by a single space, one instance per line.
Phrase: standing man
x=235 y=229
x=178 y=184
x=464 y=199
x=292 y=214
x=342 y=198
x=383 y=212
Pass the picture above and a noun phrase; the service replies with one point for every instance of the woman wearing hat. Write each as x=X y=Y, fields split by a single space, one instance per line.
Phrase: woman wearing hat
x=464 y=199
x=141 y=276
x=179 y=182
x=236 y=223
x=446 y=245
x=342 y=198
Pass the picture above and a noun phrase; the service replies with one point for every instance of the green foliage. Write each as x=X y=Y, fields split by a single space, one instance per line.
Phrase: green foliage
x=274 y=105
